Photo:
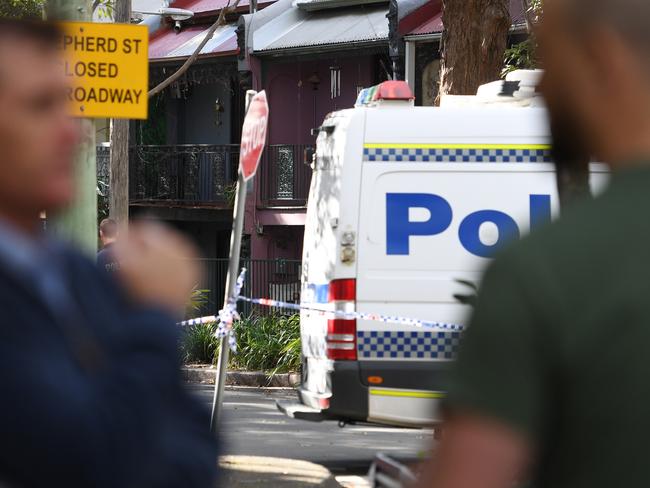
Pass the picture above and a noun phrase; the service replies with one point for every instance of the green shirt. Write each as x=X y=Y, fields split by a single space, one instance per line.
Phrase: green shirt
x=559 y=345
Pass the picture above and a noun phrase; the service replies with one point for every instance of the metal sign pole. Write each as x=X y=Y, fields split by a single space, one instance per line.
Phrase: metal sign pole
x=231 y=283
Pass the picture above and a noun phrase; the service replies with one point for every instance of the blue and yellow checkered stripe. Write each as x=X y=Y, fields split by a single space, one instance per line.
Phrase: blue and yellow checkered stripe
x=459 y=153
x=376 y=344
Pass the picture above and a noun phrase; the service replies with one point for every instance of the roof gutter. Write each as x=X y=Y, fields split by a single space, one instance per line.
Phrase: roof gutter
x=177 y=59
x=436 y=36
x=321 y=48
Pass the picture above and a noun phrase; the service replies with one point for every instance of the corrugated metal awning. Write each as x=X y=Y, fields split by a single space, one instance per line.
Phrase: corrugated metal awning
x=168 y=45
x=296 y=28
x=433 y=25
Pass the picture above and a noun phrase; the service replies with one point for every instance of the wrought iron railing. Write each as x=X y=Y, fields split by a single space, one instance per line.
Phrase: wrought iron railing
x=206 y=174
x=284 y=176
x=183 y=174
x=265 y=278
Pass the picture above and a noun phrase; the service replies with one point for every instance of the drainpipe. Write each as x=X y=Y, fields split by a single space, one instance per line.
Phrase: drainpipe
x=409 y=61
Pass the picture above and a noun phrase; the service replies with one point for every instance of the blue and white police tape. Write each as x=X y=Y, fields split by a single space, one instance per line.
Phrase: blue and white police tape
x=389 y=319
x=229 y=314
x=225 y=317
x=341 y=314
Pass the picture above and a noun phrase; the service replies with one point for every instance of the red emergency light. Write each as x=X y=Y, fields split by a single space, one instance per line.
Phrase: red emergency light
x=393 y=90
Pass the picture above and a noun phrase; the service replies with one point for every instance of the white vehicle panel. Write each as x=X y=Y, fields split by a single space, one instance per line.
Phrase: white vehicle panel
x=469 y=206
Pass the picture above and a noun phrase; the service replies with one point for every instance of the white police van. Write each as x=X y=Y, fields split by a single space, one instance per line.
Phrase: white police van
x=406 y=201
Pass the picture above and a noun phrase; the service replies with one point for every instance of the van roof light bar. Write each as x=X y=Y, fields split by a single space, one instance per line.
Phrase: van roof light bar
x=388 y=90
x=394 y=90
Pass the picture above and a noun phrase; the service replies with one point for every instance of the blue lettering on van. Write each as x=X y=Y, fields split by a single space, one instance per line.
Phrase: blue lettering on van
x=468 y=232
x=540 y=210
x=399 y=227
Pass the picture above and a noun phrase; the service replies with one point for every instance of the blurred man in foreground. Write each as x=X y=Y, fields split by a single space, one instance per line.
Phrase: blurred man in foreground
x=551 y=385
x=106 y=259
x=91 y=394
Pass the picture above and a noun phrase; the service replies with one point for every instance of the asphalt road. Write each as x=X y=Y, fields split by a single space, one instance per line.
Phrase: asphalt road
x=252 y=425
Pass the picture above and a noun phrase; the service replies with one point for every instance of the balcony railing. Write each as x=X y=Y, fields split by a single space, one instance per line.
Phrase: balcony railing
x=183 y=174
x=206 y=174
x=284 y=176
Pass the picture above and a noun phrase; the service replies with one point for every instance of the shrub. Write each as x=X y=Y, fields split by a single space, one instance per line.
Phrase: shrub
x=264 y=343
x=199 y=299
x=21 y=9
x=199 y=344
x=268 y=343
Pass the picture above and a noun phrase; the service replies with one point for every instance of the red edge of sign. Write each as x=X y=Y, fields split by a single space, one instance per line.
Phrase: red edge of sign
x=251 y=117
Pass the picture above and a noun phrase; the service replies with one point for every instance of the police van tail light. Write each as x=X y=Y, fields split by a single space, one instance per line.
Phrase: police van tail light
x=342 y=332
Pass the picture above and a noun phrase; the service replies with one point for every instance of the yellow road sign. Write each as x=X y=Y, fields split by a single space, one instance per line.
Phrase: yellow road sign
x=108 y=69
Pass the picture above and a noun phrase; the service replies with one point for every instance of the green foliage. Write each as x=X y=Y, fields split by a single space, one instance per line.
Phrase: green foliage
x=102 y=200
x=199 y=344
x=521 y=56
x=524 y=54
x=264 y=343
x=268 y=343
x=21 y=9
x=198 y=300
x=230 y=193
x=104 y=9
x=535 y=8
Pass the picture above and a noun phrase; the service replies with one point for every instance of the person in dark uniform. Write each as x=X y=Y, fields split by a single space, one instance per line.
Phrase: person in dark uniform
x=108 y=233
x=551 y=384
x=91 y=391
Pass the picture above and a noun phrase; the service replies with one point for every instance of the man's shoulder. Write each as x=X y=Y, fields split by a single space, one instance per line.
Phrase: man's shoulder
x=106 y=260
x=77 y=263
x=572 y=255
x=588 y=227
x=102 y=254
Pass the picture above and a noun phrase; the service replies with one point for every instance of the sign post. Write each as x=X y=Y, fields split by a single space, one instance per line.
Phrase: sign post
x=106 y=66
x=253 y=140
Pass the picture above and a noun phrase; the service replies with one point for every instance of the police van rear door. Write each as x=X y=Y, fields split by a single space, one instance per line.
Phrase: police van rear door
x=435 y=207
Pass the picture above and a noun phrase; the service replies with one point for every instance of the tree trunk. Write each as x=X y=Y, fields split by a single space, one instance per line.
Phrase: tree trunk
x=119 y=136
x=473 y=44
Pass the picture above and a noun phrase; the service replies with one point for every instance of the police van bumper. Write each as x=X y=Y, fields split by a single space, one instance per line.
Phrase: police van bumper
x=347 y=400
x=348 y=397
x=410 y=394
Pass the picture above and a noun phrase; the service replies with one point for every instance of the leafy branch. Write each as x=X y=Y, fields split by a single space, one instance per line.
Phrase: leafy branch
x=533 y=12
x=524 y=54
x=105 y=9
x=21 y=9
